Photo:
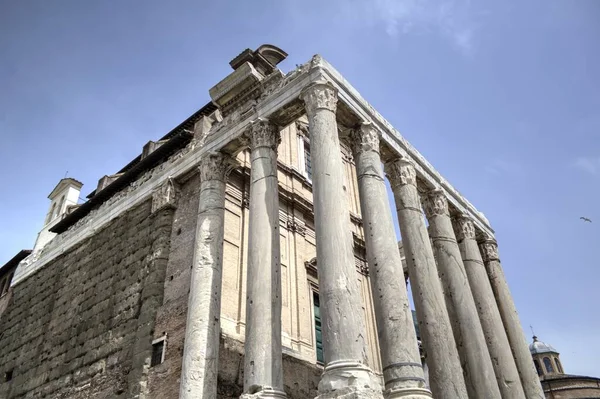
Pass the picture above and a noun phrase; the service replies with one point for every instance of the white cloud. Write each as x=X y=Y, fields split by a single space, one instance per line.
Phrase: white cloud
x=588 y=164
x=453 y=20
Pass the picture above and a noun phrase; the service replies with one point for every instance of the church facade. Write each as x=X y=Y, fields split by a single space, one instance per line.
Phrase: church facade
x=250 y=252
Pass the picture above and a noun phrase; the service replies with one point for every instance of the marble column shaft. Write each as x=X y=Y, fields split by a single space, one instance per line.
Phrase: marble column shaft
x=201 y=347
x=510 y=318
x=263 y=370
x=401 y=361
x=468 y=334
x=445 y=373
x=505 y=368
x=344 y=331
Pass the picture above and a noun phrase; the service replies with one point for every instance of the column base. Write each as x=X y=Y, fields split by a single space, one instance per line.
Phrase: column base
x=349 y=379
x=264 y=393
x=407 y=393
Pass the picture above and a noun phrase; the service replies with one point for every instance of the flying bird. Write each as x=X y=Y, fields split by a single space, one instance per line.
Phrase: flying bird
x=585 y=219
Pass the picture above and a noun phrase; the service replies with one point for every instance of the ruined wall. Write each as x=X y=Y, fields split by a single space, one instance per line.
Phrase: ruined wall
x=82 y=326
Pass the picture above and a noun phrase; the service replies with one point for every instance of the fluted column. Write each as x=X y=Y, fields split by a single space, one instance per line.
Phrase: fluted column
x=201 y=347
x=468 y=334
x=445 y=374
x=263 y=373
x=493 y=329
x=401 y=361
x=344 y=329
x=510 y=318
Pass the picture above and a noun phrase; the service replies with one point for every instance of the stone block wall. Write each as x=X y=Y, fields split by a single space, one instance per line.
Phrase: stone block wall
x=82 y=326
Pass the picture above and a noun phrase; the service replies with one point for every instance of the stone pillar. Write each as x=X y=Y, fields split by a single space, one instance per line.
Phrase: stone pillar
x=468 y=334
x=510 y=318
x=201 y=346
x=344 y=329
x=445 y=373
x=505 y=369
x=400 y=358
x=263 y=370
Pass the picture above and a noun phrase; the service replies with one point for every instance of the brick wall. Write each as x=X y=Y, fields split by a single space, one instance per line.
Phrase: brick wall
x=82 y=326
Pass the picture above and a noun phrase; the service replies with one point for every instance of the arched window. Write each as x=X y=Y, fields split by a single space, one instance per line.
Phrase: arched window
x=537 y=367
x=548 y=365
x=558 y=366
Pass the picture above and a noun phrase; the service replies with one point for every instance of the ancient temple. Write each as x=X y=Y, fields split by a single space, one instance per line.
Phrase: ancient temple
x=251 y=252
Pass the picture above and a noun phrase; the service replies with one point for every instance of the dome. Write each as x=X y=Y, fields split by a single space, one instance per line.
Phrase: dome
x=537 y=347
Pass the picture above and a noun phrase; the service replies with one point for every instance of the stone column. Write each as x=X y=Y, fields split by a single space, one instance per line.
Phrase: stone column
x=468 y=334
x=263 y=370
x=445 y=373
x=505 y=369
x=400 y=358
x=344 y=330
x=201 y=346
x=512 y=325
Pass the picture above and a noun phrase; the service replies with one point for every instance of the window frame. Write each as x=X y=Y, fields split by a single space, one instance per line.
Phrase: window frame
x=162 y=339
x=548 y=362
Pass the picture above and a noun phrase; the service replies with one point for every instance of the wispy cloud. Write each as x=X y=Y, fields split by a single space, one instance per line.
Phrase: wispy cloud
x=590 y=165
x=453 y=20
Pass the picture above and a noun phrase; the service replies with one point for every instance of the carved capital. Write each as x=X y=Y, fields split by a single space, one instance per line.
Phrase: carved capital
x=401 y=172
x=464 y=228
x=216 y=166
x=302 y=129
x=319 y=95
x=435 y=203
x=364 y=138
x=262 y=133
x=165 y=195
x=489 y=250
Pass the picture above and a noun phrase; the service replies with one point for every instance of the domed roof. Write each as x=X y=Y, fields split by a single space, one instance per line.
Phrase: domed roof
x=537 y=347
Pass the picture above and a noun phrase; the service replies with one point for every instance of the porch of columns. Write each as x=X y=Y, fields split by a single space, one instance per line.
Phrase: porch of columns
x=468 y=333
x=201 y=346
x=263 y=368
x=346 y=374
x=445 y=372
x=510 y=318
x=505 y=368
x=401 y=361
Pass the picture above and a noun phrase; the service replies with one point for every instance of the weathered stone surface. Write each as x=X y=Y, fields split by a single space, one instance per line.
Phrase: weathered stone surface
x=400 y=358
x=343 y=325
x=505 y=369
x=445 y=374
x=510 y=318
x=468 y=334
x=81 y=327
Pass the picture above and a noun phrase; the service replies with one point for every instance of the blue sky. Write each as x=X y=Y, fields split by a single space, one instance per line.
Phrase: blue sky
x=503 y=98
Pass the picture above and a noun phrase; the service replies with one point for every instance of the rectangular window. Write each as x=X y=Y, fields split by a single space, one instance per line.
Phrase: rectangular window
x=318 y=331
x=307 y=164
x=158 y=351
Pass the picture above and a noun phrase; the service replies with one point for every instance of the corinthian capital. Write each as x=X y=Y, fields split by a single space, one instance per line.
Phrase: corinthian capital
x=401 y=172
x=489 y=250
x=215 y=166
x=364 y=138
x=435 y=203
x=464 y=228
x=262 y=133
x=319 y=95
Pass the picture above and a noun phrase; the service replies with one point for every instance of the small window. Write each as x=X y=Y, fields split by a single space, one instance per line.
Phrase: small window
x=8 y=375
x=318 y=330
x=537 y=367
x=307 y=163
x=548 y=365
x=558 y=366
x=158 y=352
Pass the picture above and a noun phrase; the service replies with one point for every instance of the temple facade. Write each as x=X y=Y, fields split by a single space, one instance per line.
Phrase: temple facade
x=251 y=252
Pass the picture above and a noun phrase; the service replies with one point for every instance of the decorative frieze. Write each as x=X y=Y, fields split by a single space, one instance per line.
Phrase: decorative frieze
x=364 y=138
x=165 y=195
x=401 y=172
x=463 y=227
x=435 y=203
x=320 y=95
x=295 y=227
